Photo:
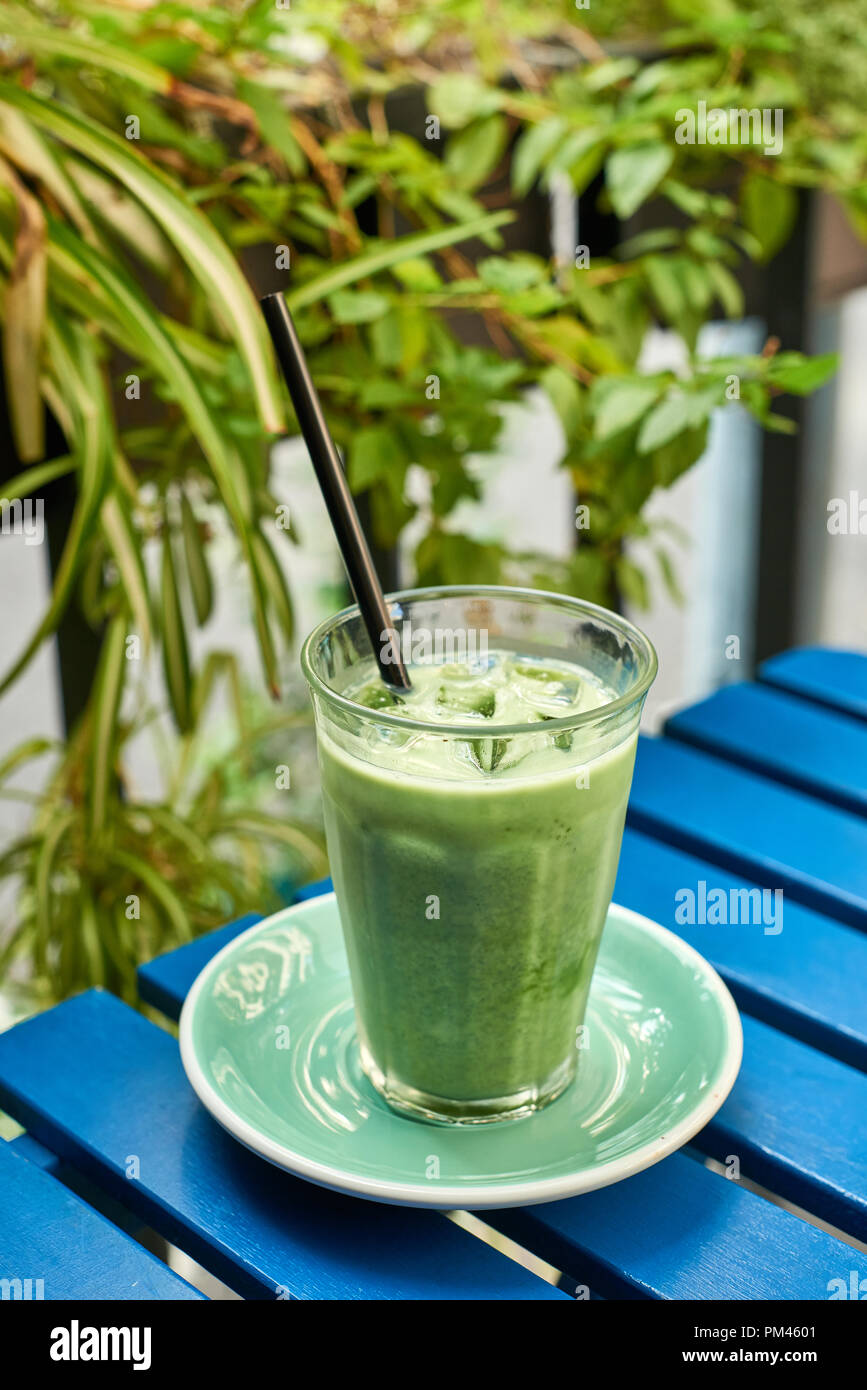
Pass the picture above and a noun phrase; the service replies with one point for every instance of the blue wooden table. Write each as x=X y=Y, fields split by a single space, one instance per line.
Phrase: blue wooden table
x=762 y=785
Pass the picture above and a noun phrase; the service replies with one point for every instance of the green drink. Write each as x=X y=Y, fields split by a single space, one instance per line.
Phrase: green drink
x=474 y=828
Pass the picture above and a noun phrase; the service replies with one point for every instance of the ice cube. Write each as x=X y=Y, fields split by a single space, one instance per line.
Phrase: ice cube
x=544 y=687
x=465 y=694
x=375 y=695
x=486 y=754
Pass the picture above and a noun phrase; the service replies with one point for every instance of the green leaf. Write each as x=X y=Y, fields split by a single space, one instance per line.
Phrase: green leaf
x=125 y=546
x=156 y=885
x=29 y=482
x=24 y=317
x=632 y=173
x=198 y=569
x=195 y=238
x=564 y=394
x=176 y=660
x=25 y=146
x=42 y=886
x=673 y=415
x=274 y=123
x=632 y=582
x=669 y=576
x=727 y=289
x=769 y=210
x=390 y=253
x=372 y=454
x=531 y=151
x=418 y=275
x=459 y=97
x=141 y=328
x=509 y=274
x=799 y=375
x=120 y=60
x=679 y=454
x=357 y=306
x=275 y=585
x=622 y=404
x=73 y=352
x=474 y=153
x=105 y=703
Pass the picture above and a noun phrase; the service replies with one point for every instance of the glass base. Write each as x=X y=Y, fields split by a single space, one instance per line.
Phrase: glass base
x=420 y=1105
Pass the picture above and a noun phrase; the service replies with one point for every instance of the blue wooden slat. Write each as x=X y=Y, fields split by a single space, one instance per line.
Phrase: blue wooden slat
x=679 y=1231
x=779 y=736
x=49 y=1234
x=165 y=981
x=99 y=1084
x=314 y=890
x=810 y=979
x=157 y=980
x=777 y=836
x=830 y=677
x=797 y=1118
x=797 y=1121
x=27 y=1147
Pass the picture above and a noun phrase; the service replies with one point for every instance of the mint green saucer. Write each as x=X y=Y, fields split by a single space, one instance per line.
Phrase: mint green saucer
x=268 y=1043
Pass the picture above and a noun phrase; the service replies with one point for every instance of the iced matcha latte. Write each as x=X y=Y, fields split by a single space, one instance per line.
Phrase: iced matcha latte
x=474 y=828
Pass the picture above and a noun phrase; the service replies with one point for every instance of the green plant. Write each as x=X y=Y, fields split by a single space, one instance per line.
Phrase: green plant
x=145 y=148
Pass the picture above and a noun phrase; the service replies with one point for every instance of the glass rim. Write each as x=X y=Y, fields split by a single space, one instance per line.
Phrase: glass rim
x=622 y=625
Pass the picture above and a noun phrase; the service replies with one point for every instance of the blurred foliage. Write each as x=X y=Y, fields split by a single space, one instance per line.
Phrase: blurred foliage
x=146 y=147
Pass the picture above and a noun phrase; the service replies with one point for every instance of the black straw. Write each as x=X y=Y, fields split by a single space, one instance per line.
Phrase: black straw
x=332 y=480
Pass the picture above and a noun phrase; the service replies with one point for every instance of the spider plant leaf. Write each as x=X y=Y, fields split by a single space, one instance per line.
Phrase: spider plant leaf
x=113 y=207
x=176 y=658
x=121 y=61
x=192 y=846
x=275 y=584
x=119 y=531
x=219 y=664
x=32 y=479
x=107 y=692
x=140 y=328
x=164 y=896
x=25 y=146
x=197 y=241
x=43 y=893
x=89 y=929
x=24 y=318
x=25 y=752
x=73 y=354
x=258 y=825
x=263 y=630
x=198 y=569
x=382 y=257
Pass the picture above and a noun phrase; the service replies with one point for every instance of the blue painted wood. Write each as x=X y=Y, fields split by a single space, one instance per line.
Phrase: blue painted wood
x=777 y=836
x=165 y=981
x=157 y=979
x=779 y=736
x=796 y=1118
x=314 y=890
x=49 y=1234
x=679 y=1231
x=827 y=676
x=27 y=1147
x=99 y=1084
x=810 y=979
x=797 y=1121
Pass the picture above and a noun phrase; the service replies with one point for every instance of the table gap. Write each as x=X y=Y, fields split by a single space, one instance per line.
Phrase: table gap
x=775 y=1199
